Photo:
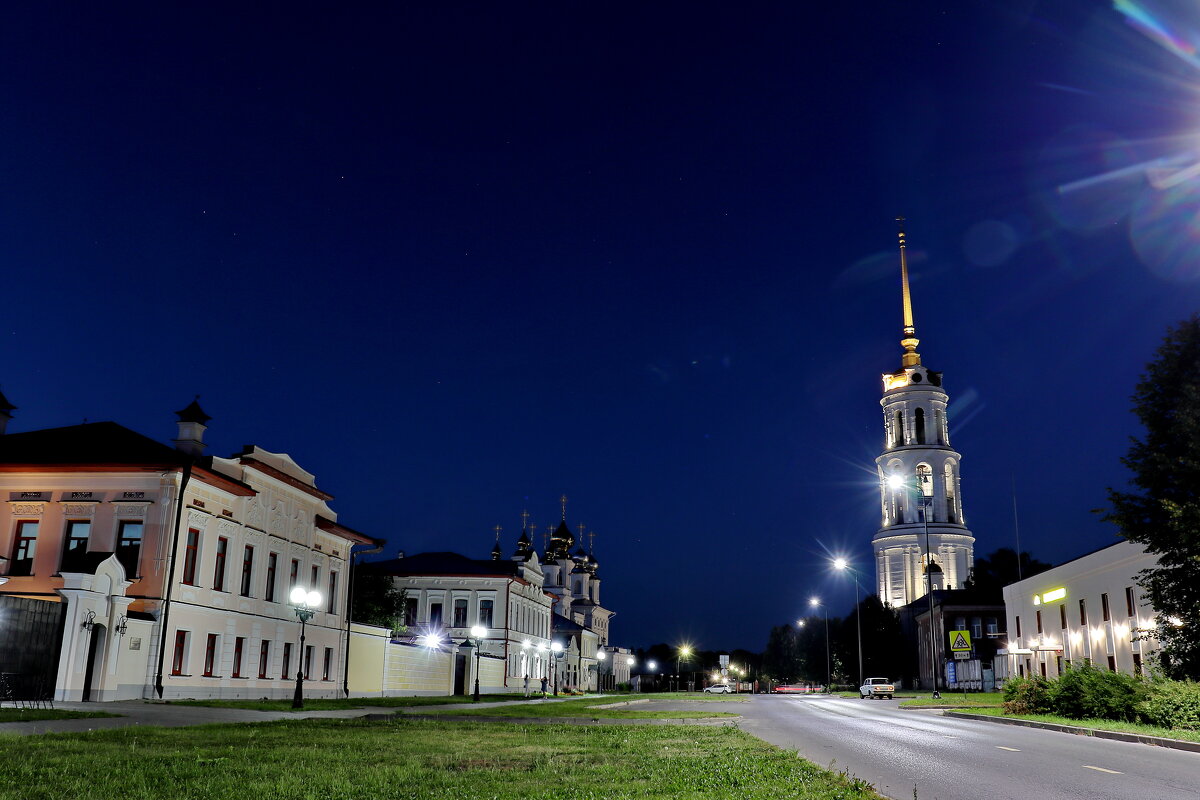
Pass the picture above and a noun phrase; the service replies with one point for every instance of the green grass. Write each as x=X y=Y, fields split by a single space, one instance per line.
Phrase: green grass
x=1098 y=724
x=36 y=714
x=340 y=703
x=344 y=759
x=957 y=700
x=580 y=708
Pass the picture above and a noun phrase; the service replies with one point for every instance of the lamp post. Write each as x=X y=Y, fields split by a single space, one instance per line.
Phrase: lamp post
x=816 y=601
x=684 y=654
x=479 y=632
x=896 y=481
x=630 y=661
x=652 y=665
x=843 y=564
x=601 y=659
x=303 y=603
x=556 y=650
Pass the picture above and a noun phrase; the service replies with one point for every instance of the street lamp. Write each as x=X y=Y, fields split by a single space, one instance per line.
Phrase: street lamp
x=479 y=632
x=843 y=564
x=652 y=665
x=816 y=601
x=684 y=654
x=602 y=657
x=556 y=649
x=896 y=481
x=303 y=603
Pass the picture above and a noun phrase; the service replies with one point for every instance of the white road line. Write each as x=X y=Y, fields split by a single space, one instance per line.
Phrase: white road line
x=1009 y=749
x=1102 y=769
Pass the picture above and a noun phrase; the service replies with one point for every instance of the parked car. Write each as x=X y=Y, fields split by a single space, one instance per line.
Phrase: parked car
x=718 y=688
x=877 y=687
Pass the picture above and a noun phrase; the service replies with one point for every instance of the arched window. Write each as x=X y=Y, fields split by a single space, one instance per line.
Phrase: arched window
x=951 y=501
x=920 y=425
x=899 y=440
x=939 y=425
x=925 y=485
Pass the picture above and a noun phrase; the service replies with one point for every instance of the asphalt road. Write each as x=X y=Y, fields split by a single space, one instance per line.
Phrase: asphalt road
x=943 y=758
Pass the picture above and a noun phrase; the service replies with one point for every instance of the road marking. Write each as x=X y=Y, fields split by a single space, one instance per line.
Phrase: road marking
x=1102 y=769
x=1009 y=749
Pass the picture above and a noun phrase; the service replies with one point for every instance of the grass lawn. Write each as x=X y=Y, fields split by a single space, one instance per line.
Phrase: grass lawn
x=579 y=708
x=957 y=700
x=338 y=703
x=344 y=759
x=35 y=714
x=1098 y=724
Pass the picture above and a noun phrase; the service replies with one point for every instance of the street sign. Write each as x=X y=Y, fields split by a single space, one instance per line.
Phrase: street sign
x=951 y=677
x=723 y=659
x=960 y=640
x=961 y=655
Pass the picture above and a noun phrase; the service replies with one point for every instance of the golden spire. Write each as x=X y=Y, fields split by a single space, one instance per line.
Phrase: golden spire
x=911 y=357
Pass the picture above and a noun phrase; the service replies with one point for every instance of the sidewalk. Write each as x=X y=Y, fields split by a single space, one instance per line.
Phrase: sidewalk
x=144 y=712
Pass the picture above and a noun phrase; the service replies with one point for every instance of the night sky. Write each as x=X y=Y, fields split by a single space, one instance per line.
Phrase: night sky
x=460 y=259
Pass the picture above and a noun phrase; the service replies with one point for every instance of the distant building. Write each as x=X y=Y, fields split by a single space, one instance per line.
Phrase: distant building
x=1088 y=609
x=919 y=480
x=980 y=614
x=127 y=564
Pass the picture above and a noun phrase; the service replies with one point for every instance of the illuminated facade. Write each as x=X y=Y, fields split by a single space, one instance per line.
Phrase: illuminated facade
x=918 y=476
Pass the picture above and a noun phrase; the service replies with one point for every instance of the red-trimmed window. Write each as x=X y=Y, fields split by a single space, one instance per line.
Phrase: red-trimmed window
x=210 y=655
x=219 y=569
x=287 y=660
x=129 y=545
x=331 y=607
x=247 y=569
x=190 y=554
x=239 y=646
x=179 y=659
x=264 y=657
x=24 y=548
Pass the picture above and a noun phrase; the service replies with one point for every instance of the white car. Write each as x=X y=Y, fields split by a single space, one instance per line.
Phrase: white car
x=877 y=687
x=718 y=688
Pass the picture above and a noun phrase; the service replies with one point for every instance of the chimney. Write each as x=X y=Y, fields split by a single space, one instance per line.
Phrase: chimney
x=6 y=409
x=191 y=429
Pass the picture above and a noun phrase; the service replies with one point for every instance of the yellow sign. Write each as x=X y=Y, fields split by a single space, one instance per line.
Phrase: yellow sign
x=960 y=640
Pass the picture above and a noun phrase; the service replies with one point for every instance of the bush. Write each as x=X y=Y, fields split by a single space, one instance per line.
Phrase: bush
x=1085 y=692
x=1027 y=695
x=1172 y=704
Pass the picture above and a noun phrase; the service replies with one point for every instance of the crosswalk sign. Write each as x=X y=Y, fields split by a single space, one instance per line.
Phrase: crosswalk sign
x=960 y=640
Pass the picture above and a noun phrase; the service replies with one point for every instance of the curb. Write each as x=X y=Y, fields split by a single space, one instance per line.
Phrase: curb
x=571 y=720
x=1120 y=736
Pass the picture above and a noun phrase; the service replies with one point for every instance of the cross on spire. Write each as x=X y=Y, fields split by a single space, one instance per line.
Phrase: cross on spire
x=592 y=542
x=563 y=500
x=525 y=518
x=497 y=529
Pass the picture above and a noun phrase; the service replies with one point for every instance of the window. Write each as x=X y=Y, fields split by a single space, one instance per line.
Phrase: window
x=1039 y=621
x=332 y=607
x=272 y=562
x=460 y=613
x=129 y=545
x=1130 y=604
x=485 y=613
x=976 y=628
x=247 y=570
x=24 y=548
x=189 y=556
x=327 y=671
x=410 y=611
x=951 y=507
x=1104 y=611
x=1062 y=616
x=264 y=657
x=1137 y=663
x=899 y=440
x=179 y=659
x=1083 y=613
x=1018 y=626
x=294 y=576
x=316 y=578
x=1112 y=663
x=920 y=425
x=287 y=660
x=210 y=655
x=308 y=653
x=435 y=615
x=75 y=545
x=219 y=569
x=239 y=646
x=1042 y=667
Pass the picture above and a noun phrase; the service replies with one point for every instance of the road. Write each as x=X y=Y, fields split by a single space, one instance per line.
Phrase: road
x=907 y=754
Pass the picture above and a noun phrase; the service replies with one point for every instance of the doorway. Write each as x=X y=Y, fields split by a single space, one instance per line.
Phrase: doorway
x=94 y=656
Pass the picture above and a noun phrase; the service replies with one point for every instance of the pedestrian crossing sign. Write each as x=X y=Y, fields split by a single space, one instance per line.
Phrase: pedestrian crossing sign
x=960 y=640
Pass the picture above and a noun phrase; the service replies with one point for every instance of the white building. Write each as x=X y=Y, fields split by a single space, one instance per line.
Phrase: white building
x=919 y=482
x=1089 y=609
x=157 y=571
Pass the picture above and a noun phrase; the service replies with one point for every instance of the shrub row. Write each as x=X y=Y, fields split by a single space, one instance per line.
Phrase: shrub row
x=1085 y=692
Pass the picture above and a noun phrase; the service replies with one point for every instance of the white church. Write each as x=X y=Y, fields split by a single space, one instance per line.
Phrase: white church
x=922 y=525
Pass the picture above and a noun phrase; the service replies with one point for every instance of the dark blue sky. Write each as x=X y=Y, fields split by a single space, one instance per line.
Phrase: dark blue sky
x=458 y=260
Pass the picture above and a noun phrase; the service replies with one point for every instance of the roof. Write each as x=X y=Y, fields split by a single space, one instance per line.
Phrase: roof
x=193 y=413
x=329 y=526
x=6 y=406
x=443 y=563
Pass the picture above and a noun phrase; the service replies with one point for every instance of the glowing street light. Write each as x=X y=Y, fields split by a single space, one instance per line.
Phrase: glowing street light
x=816 y=601
x=479 y=632
x=556 y=649
x=842 y=564
x=304 y=604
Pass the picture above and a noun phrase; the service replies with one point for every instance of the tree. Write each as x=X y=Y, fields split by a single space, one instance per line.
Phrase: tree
x=992 y=573
x=377 y=601
x=1162 y=508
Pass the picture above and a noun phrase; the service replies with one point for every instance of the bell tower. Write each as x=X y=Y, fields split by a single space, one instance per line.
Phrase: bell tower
x=919 y=486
